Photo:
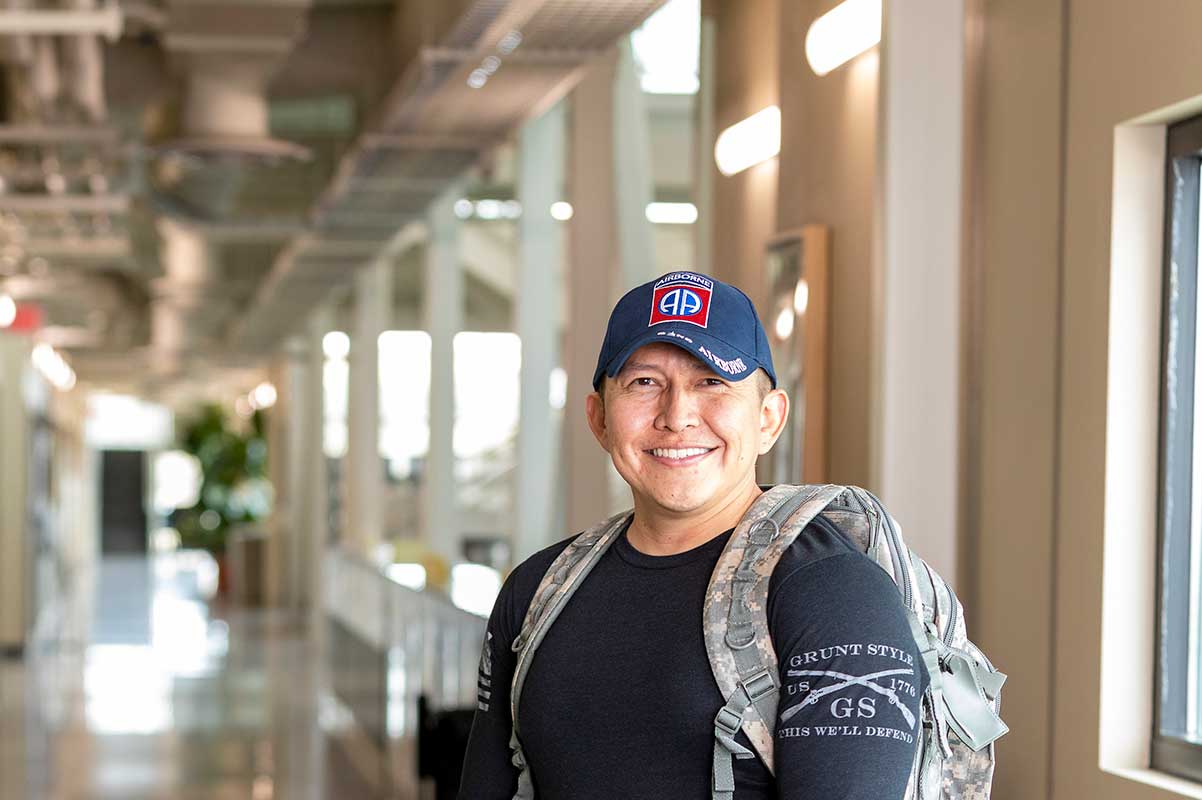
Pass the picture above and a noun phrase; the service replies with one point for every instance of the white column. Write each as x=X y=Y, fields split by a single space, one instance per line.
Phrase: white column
x=703 y=164
x=364 y=470
x=633 y=181
x=444 y=318
x=536 y=320
x=293 y=439
x=14 y=432
x=917 y=450
x=315 y=500
x=592 y=283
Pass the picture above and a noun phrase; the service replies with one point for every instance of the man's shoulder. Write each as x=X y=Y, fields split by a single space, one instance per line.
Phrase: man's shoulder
x=524 y=579
x=822 y=539
x=824 y=548
x=534 y=566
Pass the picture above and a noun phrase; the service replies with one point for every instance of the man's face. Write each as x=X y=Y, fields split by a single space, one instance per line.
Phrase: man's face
x=685 y=438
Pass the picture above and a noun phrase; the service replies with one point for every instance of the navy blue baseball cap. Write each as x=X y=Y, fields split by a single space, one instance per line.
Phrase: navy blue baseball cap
x=710 y=319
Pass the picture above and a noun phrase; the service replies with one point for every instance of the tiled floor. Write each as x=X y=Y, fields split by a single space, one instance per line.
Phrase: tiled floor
x=141 y=689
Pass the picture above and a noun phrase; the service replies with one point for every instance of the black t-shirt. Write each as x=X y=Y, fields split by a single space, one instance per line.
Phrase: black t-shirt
x=620 y=699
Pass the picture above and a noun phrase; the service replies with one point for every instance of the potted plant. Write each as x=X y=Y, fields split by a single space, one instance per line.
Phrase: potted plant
x=234 y=487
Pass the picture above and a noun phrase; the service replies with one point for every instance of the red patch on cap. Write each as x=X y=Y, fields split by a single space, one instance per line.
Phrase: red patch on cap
x=680 y=302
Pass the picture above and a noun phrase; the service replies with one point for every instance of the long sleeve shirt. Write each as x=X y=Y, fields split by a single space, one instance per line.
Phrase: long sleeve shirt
x=620 y=698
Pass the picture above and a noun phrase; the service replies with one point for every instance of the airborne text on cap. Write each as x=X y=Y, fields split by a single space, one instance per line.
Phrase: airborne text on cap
x=735 y=367
x=675 y=277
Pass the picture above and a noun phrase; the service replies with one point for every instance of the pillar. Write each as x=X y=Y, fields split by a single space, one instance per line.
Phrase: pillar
x=444 y=318
x=14 y=433
x=593 y=281
x=364 y=479
x=918 y=398
x=536 y=320
x=703 y=154
x=315 y=498
x=294 y=443
x=633 y=182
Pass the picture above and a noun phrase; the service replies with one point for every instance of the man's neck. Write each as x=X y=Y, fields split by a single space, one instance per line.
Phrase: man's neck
x=665 y=534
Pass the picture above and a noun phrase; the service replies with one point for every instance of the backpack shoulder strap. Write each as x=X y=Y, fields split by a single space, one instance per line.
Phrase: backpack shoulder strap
x=559 y=583
x=737 y=639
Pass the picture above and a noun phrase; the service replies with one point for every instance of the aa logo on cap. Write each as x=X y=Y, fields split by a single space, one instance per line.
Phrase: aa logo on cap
x=676 y=302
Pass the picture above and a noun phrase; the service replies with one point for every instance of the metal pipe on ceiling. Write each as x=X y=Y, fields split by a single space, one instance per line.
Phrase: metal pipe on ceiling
x=107 y=21
x=65 y=203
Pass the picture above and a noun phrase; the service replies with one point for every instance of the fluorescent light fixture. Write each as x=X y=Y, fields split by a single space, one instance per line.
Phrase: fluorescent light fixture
x=8 y=311
x=488 y=209
x=784 y=323
x=672 y=213
x=843 y=33
x=336 y=345
x=562 y=210
x=493 y=209
x=263 y=396
x=749 y=142
x=801 y=298
x=509 y=42
x=53 y=367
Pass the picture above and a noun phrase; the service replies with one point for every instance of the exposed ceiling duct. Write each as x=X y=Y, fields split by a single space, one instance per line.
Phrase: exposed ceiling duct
x=470 y=79
x=227 y=165
x=229 y=51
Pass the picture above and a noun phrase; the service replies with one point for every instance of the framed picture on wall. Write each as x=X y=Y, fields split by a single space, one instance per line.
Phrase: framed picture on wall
x=796 y=274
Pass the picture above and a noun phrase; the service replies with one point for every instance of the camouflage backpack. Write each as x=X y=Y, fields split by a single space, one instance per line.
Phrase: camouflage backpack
x=955 y=754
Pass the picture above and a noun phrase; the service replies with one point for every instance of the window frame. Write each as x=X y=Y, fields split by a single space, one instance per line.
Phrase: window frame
x=1178 y=364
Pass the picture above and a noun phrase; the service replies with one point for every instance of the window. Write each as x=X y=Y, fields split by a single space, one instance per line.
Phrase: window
x=1177 y=732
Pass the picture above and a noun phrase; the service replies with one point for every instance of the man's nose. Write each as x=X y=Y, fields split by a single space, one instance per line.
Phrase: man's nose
x=678 y=410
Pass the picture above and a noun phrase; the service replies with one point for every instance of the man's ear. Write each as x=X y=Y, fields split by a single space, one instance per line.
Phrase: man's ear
x=774 y=412
x=594 y=412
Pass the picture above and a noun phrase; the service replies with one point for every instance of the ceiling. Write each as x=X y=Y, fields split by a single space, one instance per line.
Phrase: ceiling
x=183 y=181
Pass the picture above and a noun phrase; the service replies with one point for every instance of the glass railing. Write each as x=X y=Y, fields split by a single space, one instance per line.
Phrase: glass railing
x=389 y=645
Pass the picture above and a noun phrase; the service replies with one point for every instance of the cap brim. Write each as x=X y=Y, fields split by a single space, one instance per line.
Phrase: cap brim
x=721 y=358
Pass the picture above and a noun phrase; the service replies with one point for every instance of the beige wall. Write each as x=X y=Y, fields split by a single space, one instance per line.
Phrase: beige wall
x=1055 y=89
x=828 y=174
x=746 y=80
x=1123 y=60
x=1017 y=221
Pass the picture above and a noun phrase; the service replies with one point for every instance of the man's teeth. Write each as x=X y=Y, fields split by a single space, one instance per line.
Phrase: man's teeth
x=662 y=452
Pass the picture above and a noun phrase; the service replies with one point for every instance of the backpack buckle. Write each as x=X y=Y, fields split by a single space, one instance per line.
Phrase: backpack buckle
x=728 y=721
x=759 y=684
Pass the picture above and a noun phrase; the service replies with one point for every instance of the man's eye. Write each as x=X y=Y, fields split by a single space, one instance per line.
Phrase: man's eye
x=642 y=382
x=714 y=382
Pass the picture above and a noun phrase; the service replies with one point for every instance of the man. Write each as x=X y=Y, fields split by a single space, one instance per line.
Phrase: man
x=619 y=700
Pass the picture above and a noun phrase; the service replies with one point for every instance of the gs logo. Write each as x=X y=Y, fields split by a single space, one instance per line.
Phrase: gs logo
x=865 y=708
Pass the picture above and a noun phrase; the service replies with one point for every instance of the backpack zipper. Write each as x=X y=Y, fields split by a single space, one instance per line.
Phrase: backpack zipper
x=950 y=632
x=903 y=560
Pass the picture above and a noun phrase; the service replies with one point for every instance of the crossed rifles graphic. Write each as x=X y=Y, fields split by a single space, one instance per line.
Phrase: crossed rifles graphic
x=866 y=681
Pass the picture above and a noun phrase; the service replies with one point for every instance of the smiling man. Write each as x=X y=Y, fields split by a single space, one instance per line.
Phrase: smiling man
x=619 y=700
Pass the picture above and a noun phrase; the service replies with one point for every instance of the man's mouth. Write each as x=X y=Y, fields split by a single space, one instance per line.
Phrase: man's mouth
x=679 y=454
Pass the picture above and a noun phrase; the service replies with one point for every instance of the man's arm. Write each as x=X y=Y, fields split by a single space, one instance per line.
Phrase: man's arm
x=487 y=771
x=849 y=721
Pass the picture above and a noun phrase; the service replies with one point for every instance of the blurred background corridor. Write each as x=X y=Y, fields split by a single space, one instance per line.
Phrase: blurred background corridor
x=300 y=301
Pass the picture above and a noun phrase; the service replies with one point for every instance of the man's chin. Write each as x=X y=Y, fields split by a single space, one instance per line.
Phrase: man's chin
x=679 y=503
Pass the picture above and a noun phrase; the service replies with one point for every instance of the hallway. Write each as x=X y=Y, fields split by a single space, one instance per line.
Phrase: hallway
x=139 y=688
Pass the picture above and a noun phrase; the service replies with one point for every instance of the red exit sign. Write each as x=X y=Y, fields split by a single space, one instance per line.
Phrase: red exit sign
x=28 y=318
